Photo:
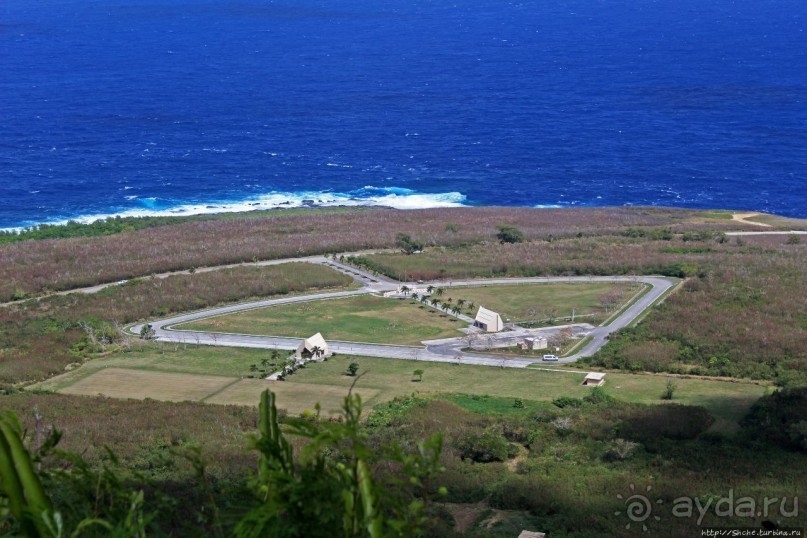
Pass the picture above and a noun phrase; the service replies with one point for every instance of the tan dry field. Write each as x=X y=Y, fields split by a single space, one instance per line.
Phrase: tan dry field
x=142 y=384
x=295 y=398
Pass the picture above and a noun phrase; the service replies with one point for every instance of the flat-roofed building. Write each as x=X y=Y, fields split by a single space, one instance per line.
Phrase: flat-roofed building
x=535 y=342
x=594 y=379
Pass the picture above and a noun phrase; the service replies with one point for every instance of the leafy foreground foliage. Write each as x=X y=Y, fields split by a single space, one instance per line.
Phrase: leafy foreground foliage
x=336 y=481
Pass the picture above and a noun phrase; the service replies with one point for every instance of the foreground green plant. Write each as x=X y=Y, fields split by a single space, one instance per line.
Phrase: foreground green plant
x=335 y=481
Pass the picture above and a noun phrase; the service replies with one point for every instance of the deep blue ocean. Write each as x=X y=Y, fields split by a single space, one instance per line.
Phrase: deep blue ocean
x=184 y=106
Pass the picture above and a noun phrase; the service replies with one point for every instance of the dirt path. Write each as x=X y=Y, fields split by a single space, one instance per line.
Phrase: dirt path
x=741 y=217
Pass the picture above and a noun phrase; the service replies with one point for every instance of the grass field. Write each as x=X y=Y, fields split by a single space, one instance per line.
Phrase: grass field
x=214 y=375
x=141 y=384
x=296 y=398
x=549 y=300
x=357 y=319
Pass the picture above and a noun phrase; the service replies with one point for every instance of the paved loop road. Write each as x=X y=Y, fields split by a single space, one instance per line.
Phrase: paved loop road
x=374 y=284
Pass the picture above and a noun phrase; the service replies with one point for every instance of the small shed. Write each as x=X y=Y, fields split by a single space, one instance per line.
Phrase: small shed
x=594 y=379
x=536 y=342
x=308 y=346
x=488 y=320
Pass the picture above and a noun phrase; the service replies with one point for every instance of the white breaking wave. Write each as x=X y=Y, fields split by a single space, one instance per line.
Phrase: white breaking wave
x=395 y=197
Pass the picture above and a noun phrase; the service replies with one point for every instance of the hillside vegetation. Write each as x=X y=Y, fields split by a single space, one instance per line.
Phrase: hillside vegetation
x=40 y=338
x=31 y=267
x=740 y=311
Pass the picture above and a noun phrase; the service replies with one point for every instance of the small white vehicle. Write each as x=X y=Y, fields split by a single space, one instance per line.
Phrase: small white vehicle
x=550 y=358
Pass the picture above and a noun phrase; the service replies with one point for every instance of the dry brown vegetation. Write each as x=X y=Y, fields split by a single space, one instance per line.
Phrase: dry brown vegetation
x=745 y=315
x=142 y=432
x=39 y=338
x=741 y=313
x=31 y=267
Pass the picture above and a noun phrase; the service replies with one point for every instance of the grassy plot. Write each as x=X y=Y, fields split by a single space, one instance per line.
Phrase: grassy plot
x=295 y=398
x=170 y=373
x=358 y=319
x=141 y=384
x=184 y=359
x=524 y=302
x=728 y=402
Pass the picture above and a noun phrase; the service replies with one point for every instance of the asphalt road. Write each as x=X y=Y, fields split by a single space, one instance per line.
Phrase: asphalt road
x=449 y=352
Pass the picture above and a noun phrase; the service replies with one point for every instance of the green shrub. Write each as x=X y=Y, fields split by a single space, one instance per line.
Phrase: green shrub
x=509 y=234
x=780 y=418
x=598 y=396
x=567 y=401
x=485 y=447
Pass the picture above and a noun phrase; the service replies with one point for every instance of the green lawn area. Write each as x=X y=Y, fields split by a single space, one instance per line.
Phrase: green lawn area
x=363 y=318
x=727 y=401
x=385 y=379
x=516 y=301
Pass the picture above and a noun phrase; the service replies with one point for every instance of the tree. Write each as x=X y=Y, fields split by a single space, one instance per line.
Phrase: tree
x=147 y=332
x=407 y=244
x=405 y=290
x=264 y=365
x=317 y=352
x=419 y=374
x=669 y=390
x=415 y=296
x=430 y=289
x=461 y=302
x=352 y=369
x=439 y=292
x=611 y=299
x=471 y=306
x=509 y=234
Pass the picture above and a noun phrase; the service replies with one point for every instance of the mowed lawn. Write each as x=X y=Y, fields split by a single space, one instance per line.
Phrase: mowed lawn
x=549 y=300
x=364 y=318
x=218 y=375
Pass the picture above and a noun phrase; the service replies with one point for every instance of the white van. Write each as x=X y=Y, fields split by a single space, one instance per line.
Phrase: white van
x=550 y=358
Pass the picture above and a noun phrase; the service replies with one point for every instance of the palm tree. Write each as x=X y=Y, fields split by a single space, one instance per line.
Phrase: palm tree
x=430 y=289
x=439 y=292
x=405 y=290
x=415 y=296
x=460 y=302
x=424 y=299
x=456 y=310
x=471 y=306
x=317 y=352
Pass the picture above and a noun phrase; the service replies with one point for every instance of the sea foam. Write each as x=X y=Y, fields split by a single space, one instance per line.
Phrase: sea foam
x=395 y=197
